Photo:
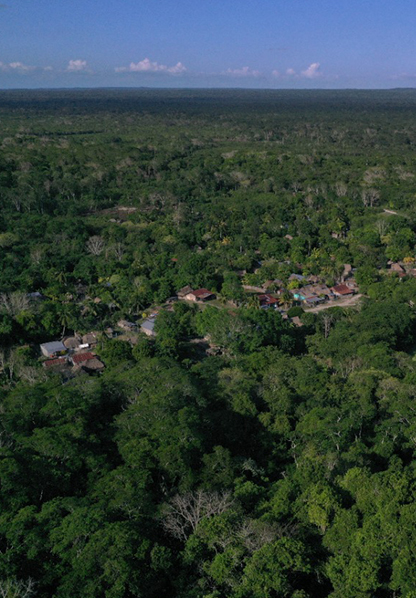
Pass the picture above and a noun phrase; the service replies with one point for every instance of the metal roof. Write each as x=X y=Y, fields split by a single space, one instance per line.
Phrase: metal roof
x=53 y=347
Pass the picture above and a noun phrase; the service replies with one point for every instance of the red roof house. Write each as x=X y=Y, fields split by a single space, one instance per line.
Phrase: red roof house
x=342 y=290
x=267 y=300
x=79 y=358
x=58 y=362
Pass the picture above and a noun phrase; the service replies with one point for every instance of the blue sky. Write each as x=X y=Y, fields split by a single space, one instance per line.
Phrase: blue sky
x=208 y=43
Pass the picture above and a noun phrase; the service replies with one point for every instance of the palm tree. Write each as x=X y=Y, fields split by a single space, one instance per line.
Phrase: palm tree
x=286 y=299
x=253 y=302
x=66 y=316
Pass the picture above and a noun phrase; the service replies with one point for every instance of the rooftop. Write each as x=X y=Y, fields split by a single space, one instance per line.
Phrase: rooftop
x=59 y=361
x=53 y=347
x=82 y=357
x=342 y=289
x=200 y=293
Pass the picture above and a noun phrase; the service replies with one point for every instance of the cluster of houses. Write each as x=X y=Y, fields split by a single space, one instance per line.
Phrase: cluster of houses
x=310 y=290
x=315 y=294
x=77 y=353
x=73 y=353
x=401 y=269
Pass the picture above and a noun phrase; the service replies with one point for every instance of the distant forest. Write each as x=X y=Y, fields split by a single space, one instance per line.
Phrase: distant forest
x=249 y=446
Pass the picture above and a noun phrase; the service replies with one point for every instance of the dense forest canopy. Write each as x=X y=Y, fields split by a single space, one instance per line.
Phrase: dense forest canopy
x=249 y=446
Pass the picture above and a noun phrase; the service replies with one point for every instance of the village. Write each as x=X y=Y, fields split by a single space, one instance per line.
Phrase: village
x=77 y=354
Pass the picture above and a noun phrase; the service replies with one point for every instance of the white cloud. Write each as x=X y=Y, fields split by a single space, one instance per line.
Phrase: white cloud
x=245 y=71
x=76 y=66
x=312 y=71
x=290 y=72
x=147 y=66
x=275 y=73
x=19 y=67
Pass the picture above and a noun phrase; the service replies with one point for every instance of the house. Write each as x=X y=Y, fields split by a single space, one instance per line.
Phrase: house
x=72 y=343
x=313 y=294
x=267 y=301
x=53 y=349
x=200 y=295
x=314 y=300
x=125 y=325
x=297 y=277
x=321 y=290
x=59 y=362
x=298 y=294
x=81 y=358
x=91 y=339
x=395 y=267
x=36 y=296
x=342 y=290
x=297 y=321
x=93 y=365
x=184 y=291
x=148 y=327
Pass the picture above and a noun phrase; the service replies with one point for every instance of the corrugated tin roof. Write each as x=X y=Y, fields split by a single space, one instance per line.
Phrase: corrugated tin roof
x=53 y=347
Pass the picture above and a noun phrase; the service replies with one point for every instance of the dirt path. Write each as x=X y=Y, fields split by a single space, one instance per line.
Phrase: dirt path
x=347 y=302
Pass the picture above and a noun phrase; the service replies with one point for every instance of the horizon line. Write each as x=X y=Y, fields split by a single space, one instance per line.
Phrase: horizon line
x=213 y=88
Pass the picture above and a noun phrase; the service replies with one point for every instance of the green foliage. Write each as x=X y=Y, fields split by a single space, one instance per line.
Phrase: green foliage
x=233 y=455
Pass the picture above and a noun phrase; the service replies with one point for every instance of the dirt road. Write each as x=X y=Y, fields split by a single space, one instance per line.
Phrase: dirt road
x=347 y=302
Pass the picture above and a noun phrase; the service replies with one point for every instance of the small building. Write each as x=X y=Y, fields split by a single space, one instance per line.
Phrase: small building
x=53 y=349
x=297 y=321
x=90 y=339
x=148 y=327
x=93 y=365
x=81 y=358
x=36 y=296
x=397 y=268
x=72 y=343
x=267 y=301
x=314 y=300
x=125 y=325
x=298 y=294
x=184 y=291
x=59 y=362
x=200 y=295
x=342 y=290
